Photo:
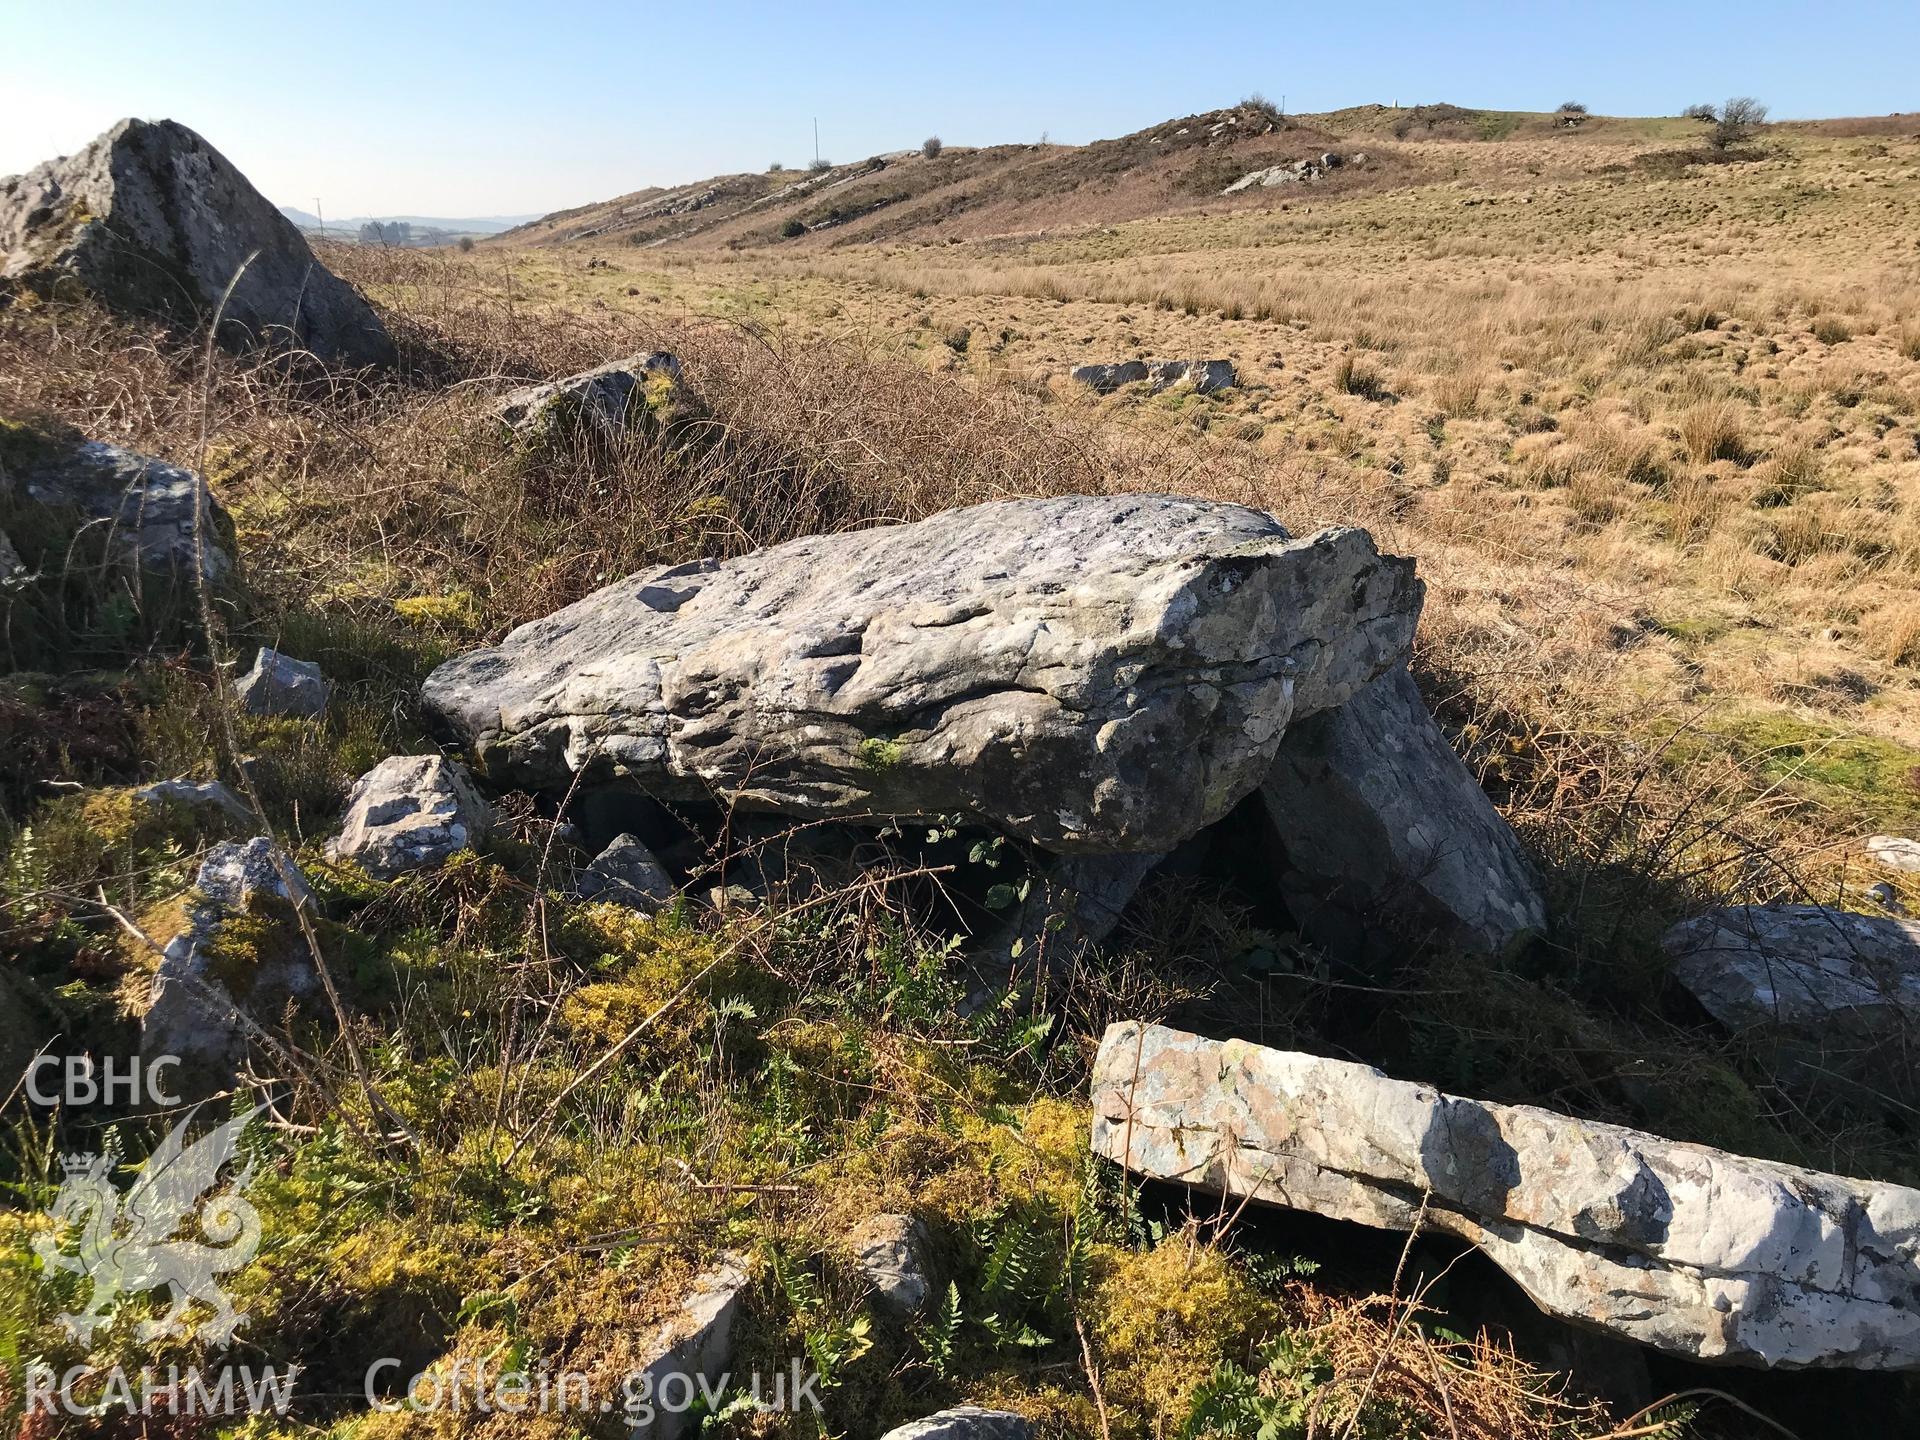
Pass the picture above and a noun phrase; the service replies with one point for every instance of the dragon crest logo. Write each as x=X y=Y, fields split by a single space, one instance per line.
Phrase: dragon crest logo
x=127 y=1246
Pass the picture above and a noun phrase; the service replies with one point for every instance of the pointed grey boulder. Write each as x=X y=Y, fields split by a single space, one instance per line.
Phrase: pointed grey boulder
x=281 y=685
x=151 y=219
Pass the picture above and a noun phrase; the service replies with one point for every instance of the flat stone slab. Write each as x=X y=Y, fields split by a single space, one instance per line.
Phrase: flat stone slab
x=145 y=506
x=1689 y=1249
x=966 y=1422
x=1093 y=673
x=1806 y=966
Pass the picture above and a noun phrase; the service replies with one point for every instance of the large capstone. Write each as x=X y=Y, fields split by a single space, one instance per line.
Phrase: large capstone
x=1685 y=1248
x=1385 y=838
x=1096 y=674
x=151 y=219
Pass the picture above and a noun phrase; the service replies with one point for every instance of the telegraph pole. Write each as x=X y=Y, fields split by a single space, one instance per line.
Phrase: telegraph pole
x=816 y=139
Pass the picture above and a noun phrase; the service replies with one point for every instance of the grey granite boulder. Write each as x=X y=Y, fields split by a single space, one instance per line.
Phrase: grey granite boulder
x=966 y=1422
x=411 y=812
x=1803 y=966
x=1092 y=673
x=281 y=685
x=626 y=873
x=145 y=507
x=1384 y=837
x=1695 y=1251
x=891 y=1251
x=623 y=395
x=151 y=219
x=1205 y=376
x=202 y=1006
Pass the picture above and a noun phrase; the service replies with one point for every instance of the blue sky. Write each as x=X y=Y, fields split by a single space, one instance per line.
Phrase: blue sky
x=487 y=107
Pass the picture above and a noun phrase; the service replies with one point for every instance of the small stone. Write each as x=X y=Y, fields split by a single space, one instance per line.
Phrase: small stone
x=695 y=1345
x=195 y=795
x=1886 y=897
x=1808 y=966
x=146 y=505
x=891 y=1251
x=966 y=1422
x=733 y=897
x=411 y=812
x=1895 y=852
x=626 y=873
x=281 y=685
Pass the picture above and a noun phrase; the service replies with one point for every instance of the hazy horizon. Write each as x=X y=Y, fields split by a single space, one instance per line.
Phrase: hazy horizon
x=480 y=111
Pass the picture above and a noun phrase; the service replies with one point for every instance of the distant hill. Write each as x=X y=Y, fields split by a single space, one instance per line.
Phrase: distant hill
x=1177 y=166
x=441 y=228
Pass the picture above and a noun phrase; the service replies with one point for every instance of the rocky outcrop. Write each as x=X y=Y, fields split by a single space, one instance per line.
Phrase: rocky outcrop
x=966 y=1422
x=1205 y=376
x=1293 y=172
x=144 y=507
x=1688 y=1249
x=626 y=873
x=202 y=1004
x=695 y=1345
x=1384 y=837
x=151 y=219
x=1800 y=965
x=891 y=1251
x=281 y=685
x=628 y=394
x=411 y=812
x=1094 y=673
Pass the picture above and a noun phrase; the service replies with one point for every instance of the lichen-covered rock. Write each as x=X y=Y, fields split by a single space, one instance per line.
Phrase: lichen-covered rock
x=891 y=1251
x=622 y=395
x=201 y=1009
x=626 y=873
x=695 y=1345
x=1205 y=376
x=1094 y=673
x=281 y=685
x=144 y=507
x=411 y=812
x=1384 y=836
x=152 y=219
x=1691 y=1250
x=966 y=1422
x=1804 y=966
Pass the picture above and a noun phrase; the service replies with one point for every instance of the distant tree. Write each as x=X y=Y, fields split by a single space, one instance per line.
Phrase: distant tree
x=466 y=244
x=1738 y=118
x=820 y=163
x=1259 y=105
x=1700 y=112
x=1572 y=107
x=931 y=147
x=775 y=168
x=391 y=233
x=794 y=226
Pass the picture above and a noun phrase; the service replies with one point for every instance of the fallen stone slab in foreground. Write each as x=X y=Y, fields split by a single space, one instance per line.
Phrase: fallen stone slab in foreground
x=1688 y=1249
x=1805 y=966
x=1097 y=674
x=608 y=400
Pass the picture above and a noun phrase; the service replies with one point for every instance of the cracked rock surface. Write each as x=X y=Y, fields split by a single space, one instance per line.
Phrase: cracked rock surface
x=1689 y=1249
x=1097 y=674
